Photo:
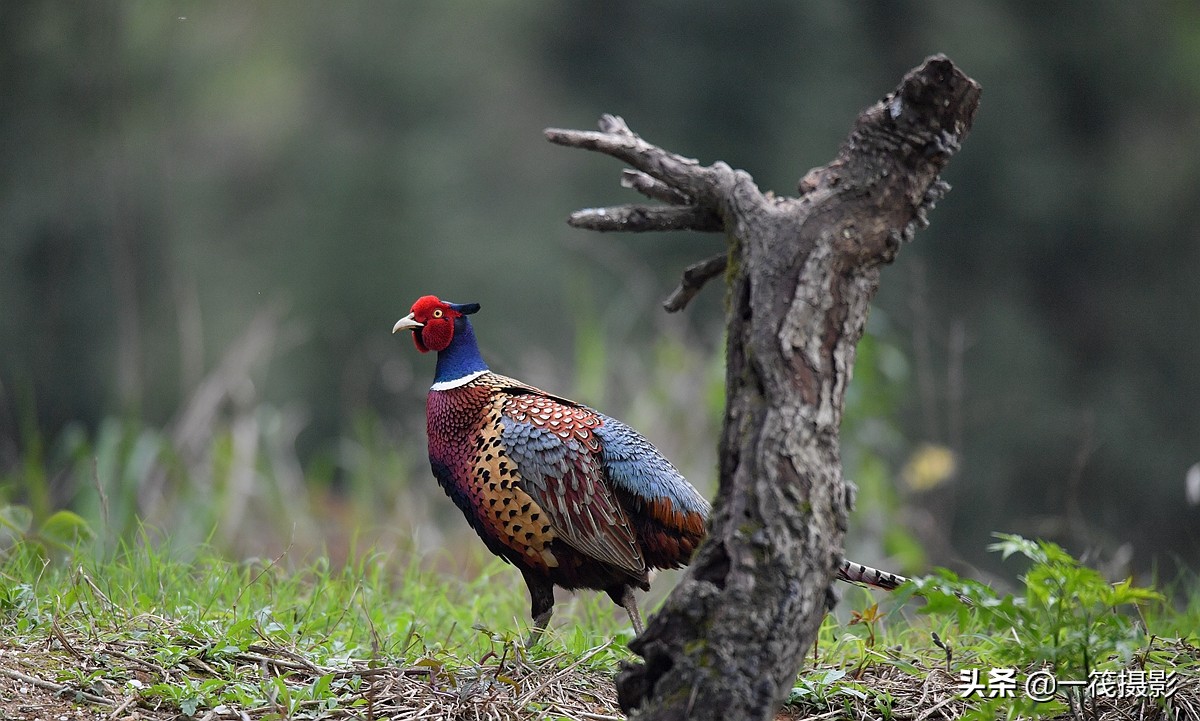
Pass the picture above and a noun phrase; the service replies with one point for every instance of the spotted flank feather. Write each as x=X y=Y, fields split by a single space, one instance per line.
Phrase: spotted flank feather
x=517 y=518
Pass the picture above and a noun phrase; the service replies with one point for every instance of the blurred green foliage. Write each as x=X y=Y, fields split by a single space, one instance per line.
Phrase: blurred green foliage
x=173 y=171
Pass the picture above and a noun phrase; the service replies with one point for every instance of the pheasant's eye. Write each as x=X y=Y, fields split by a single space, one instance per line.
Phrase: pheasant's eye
x=438 y=313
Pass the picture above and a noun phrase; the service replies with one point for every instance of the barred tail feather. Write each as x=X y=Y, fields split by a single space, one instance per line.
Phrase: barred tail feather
x=856 y=573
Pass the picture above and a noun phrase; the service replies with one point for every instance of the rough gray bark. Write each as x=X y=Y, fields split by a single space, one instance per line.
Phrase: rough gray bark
x=800 y=273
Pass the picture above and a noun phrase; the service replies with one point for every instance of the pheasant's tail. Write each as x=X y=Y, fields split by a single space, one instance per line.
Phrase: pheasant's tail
x=861 y=575
x=856 y=573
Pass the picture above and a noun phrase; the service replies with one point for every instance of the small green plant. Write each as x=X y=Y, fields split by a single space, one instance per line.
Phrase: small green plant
x=868 y=618
x=1069 y=622
x=826 y=690
x=1069 y=618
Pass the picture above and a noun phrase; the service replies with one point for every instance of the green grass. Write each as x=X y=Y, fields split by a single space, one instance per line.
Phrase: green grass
x=188 y=636
x=390 y=633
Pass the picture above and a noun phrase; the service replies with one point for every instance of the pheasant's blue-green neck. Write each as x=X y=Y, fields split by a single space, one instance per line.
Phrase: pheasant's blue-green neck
x=459 y=360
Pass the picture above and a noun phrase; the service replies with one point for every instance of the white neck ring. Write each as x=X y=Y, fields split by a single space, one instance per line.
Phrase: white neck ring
x=457 y=382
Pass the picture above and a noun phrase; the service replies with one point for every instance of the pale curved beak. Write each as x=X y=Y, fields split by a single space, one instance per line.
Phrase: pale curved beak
x=407 y=323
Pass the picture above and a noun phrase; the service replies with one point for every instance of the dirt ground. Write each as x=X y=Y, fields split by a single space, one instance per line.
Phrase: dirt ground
x=23 y=701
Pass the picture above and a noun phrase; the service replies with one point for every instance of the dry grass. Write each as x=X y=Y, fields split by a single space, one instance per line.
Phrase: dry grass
x=496 y=688
x=935 y=694
x=516 y=686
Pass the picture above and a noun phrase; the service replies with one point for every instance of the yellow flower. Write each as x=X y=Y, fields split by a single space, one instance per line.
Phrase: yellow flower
x=929 y=466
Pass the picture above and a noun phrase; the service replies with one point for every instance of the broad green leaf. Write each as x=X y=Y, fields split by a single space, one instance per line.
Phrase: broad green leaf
x=65 y=529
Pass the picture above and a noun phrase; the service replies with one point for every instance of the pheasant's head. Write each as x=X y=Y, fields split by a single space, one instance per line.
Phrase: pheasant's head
x=432 y=322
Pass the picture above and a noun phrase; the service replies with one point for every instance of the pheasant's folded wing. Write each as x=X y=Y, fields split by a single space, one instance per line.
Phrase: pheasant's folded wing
x=557 y=453
x=635 y=466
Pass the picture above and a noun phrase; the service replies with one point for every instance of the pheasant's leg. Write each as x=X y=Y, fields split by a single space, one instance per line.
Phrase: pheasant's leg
x=628 y=601
x=541 y=594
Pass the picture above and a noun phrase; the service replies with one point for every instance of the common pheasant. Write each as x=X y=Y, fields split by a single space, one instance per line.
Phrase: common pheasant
x=571 y=497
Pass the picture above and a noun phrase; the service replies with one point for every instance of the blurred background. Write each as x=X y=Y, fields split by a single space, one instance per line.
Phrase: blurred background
x=211 y=214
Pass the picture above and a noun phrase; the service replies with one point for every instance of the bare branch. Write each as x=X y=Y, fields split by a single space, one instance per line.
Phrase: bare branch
x=645 y=218
x=700 y=198
x=694 y=278
x=685 y=175
x=651 y=188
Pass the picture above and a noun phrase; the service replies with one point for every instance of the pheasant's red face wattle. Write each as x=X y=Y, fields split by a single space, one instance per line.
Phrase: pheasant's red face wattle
x=437 y=318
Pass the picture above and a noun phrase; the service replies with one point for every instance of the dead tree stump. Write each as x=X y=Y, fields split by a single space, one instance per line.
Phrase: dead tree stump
x=800 y=274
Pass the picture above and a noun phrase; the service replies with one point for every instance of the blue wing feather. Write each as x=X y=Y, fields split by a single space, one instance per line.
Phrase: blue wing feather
x=633 y=464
